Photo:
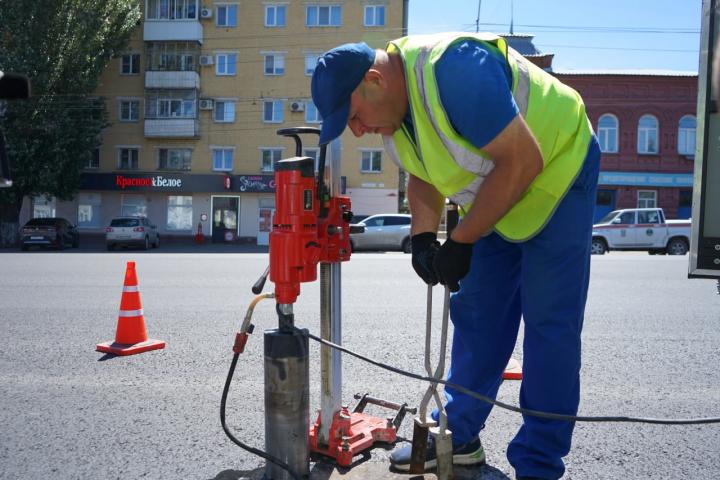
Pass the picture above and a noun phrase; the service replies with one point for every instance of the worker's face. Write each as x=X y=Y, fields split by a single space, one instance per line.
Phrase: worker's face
x=371 y=111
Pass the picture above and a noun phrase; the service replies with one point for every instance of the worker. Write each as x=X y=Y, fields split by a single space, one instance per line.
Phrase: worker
x=473 y=121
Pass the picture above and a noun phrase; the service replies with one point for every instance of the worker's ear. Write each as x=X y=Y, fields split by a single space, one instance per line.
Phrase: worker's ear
x=374 y=77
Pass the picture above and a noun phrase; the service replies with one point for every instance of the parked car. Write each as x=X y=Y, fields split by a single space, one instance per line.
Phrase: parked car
x=131 y=231
x=389 y=231
x=641 y=229
x=49 y=232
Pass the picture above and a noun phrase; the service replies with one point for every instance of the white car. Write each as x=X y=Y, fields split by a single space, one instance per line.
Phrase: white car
x=131 y=231
x=389 y=231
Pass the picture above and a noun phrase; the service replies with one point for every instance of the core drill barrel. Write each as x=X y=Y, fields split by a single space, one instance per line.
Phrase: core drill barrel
x=287 y=403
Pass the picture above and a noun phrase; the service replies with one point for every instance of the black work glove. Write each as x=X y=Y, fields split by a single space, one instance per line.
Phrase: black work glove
x=452 y=263
x=424 y=248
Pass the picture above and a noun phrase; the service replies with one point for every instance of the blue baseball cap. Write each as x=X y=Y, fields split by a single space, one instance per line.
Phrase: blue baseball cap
x=337 y=74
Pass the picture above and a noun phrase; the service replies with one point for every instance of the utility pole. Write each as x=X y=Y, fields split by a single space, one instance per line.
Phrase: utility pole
x=477 y=19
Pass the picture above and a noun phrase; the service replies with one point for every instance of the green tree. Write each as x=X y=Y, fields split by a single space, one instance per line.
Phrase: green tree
x=62 y=46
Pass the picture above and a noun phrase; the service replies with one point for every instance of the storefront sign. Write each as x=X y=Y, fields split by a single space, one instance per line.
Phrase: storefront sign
x=646 y=179
x=158 y=181
x=256 y=183
x=179 y=182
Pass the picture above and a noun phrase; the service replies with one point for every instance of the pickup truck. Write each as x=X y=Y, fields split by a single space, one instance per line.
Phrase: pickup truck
x=641 y=229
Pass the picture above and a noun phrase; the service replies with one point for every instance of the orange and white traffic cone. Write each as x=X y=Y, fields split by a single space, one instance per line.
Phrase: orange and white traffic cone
x=131 y=335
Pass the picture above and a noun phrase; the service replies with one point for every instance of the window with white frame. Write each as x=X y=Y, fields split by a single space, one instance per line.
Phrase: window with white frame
x=227 y=15
x=268 y=157
x=129 y=110
x=310 y=62
x=130 y=64
x=223 y=158
x=174 y=108
x=128 y=158
x=93 y=160
x=608 y=133
x=43 y=206
x=274 y=63
x=226 y=63
x=174 y=158
x=179 y=212
x=323 y=15
x=132 y=205
x=275 y=15
x=273 y=111
x=647 y=134
x=312 y=115
x=371 y=161
x=224 y=111
x=172 y=9
x=374 y=15
x=647 y=199
x=686 y=135
x=89 y=209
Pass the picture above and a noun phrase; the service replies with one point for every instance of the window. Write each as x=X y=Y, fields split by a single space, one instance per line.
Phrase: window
x=312 y=115
x=274 y=64
x=128 y=158
x=313 y=153
x=273 y=111
x=132 y=205
x=269 y=157
x=648 y=216
x=93 y=160
x=225 y=63
x=223 y=159
x=172 y=9
x=310 y=62
x=43 y=207
x=648 y=134
x=129 y=110
x=647 y=199
x=323 y=16
x=171 y=56
x=179 y=212
x=224 y=111
x=608 y=133
x=174 y=158
x=686 y=135
x=227 y=16
x=685 y=198
x=175 y=107
x=130 y=64
x=89 y=209
x=275 y=16
x=374 y=15
x=397 y=221
x=627 y=218
x=371 y=161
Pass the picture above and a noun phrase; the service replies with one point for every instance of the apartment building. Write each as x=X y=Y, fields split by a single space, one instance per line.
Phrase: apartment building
x=195 y=103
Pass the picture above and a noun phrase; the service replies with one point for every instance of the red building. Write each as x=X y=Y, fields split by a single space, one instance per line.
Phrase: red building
x=646 y=123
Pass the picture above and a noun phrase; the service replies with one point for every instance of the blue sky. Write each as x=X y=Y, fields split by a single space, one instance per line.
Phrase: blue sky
x=583 y=34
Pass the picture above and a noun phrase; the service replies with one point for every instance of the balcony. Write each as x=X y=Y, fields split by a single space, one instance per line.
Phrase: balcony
x=172 y=128
x=172 y=30
x=172 y=79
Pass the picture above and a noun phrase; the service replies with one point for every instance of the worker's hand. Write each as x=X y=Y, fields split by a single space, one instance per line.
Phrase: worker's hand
x=424 y=248
x=452 y=263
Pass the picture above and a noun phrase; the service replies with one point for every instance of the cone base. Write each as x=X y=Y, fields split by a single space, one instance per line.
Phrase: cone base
x=513 y=371
x=130 y=349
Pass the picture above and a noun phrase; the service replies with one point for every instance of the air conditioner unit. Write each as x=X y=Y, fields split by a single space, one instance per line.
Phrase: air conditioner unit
x=206 y=13
x=206 y=104
x=297 y=106
x=206 y=60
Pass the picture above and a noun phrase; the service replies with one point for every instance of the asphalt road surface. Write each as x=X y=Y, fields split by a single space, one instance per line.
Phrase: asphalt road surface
x=651 y=343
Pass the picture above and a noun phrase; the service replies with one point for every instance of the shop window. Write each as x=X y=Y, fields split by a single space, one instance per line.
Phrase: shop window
x=227 y=15
x=269 y=157
x=374 y=15
x=647 y=199
x=43 y=207
x=371 y=161
x=686 y=135
x=179 y=212
x=89 y=210
x=275 y=15
x=608 y=133
x=133 y=205
x=647 y=135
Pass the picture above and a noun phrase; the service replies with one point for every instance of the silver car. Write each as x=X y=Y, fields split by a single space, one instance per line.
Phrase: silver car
x=390 y=231
x=131 y=231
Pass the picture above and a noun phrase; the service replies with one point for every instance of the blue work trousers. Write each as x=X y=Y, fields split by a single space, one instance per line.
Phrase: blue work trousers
x=544 y=280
